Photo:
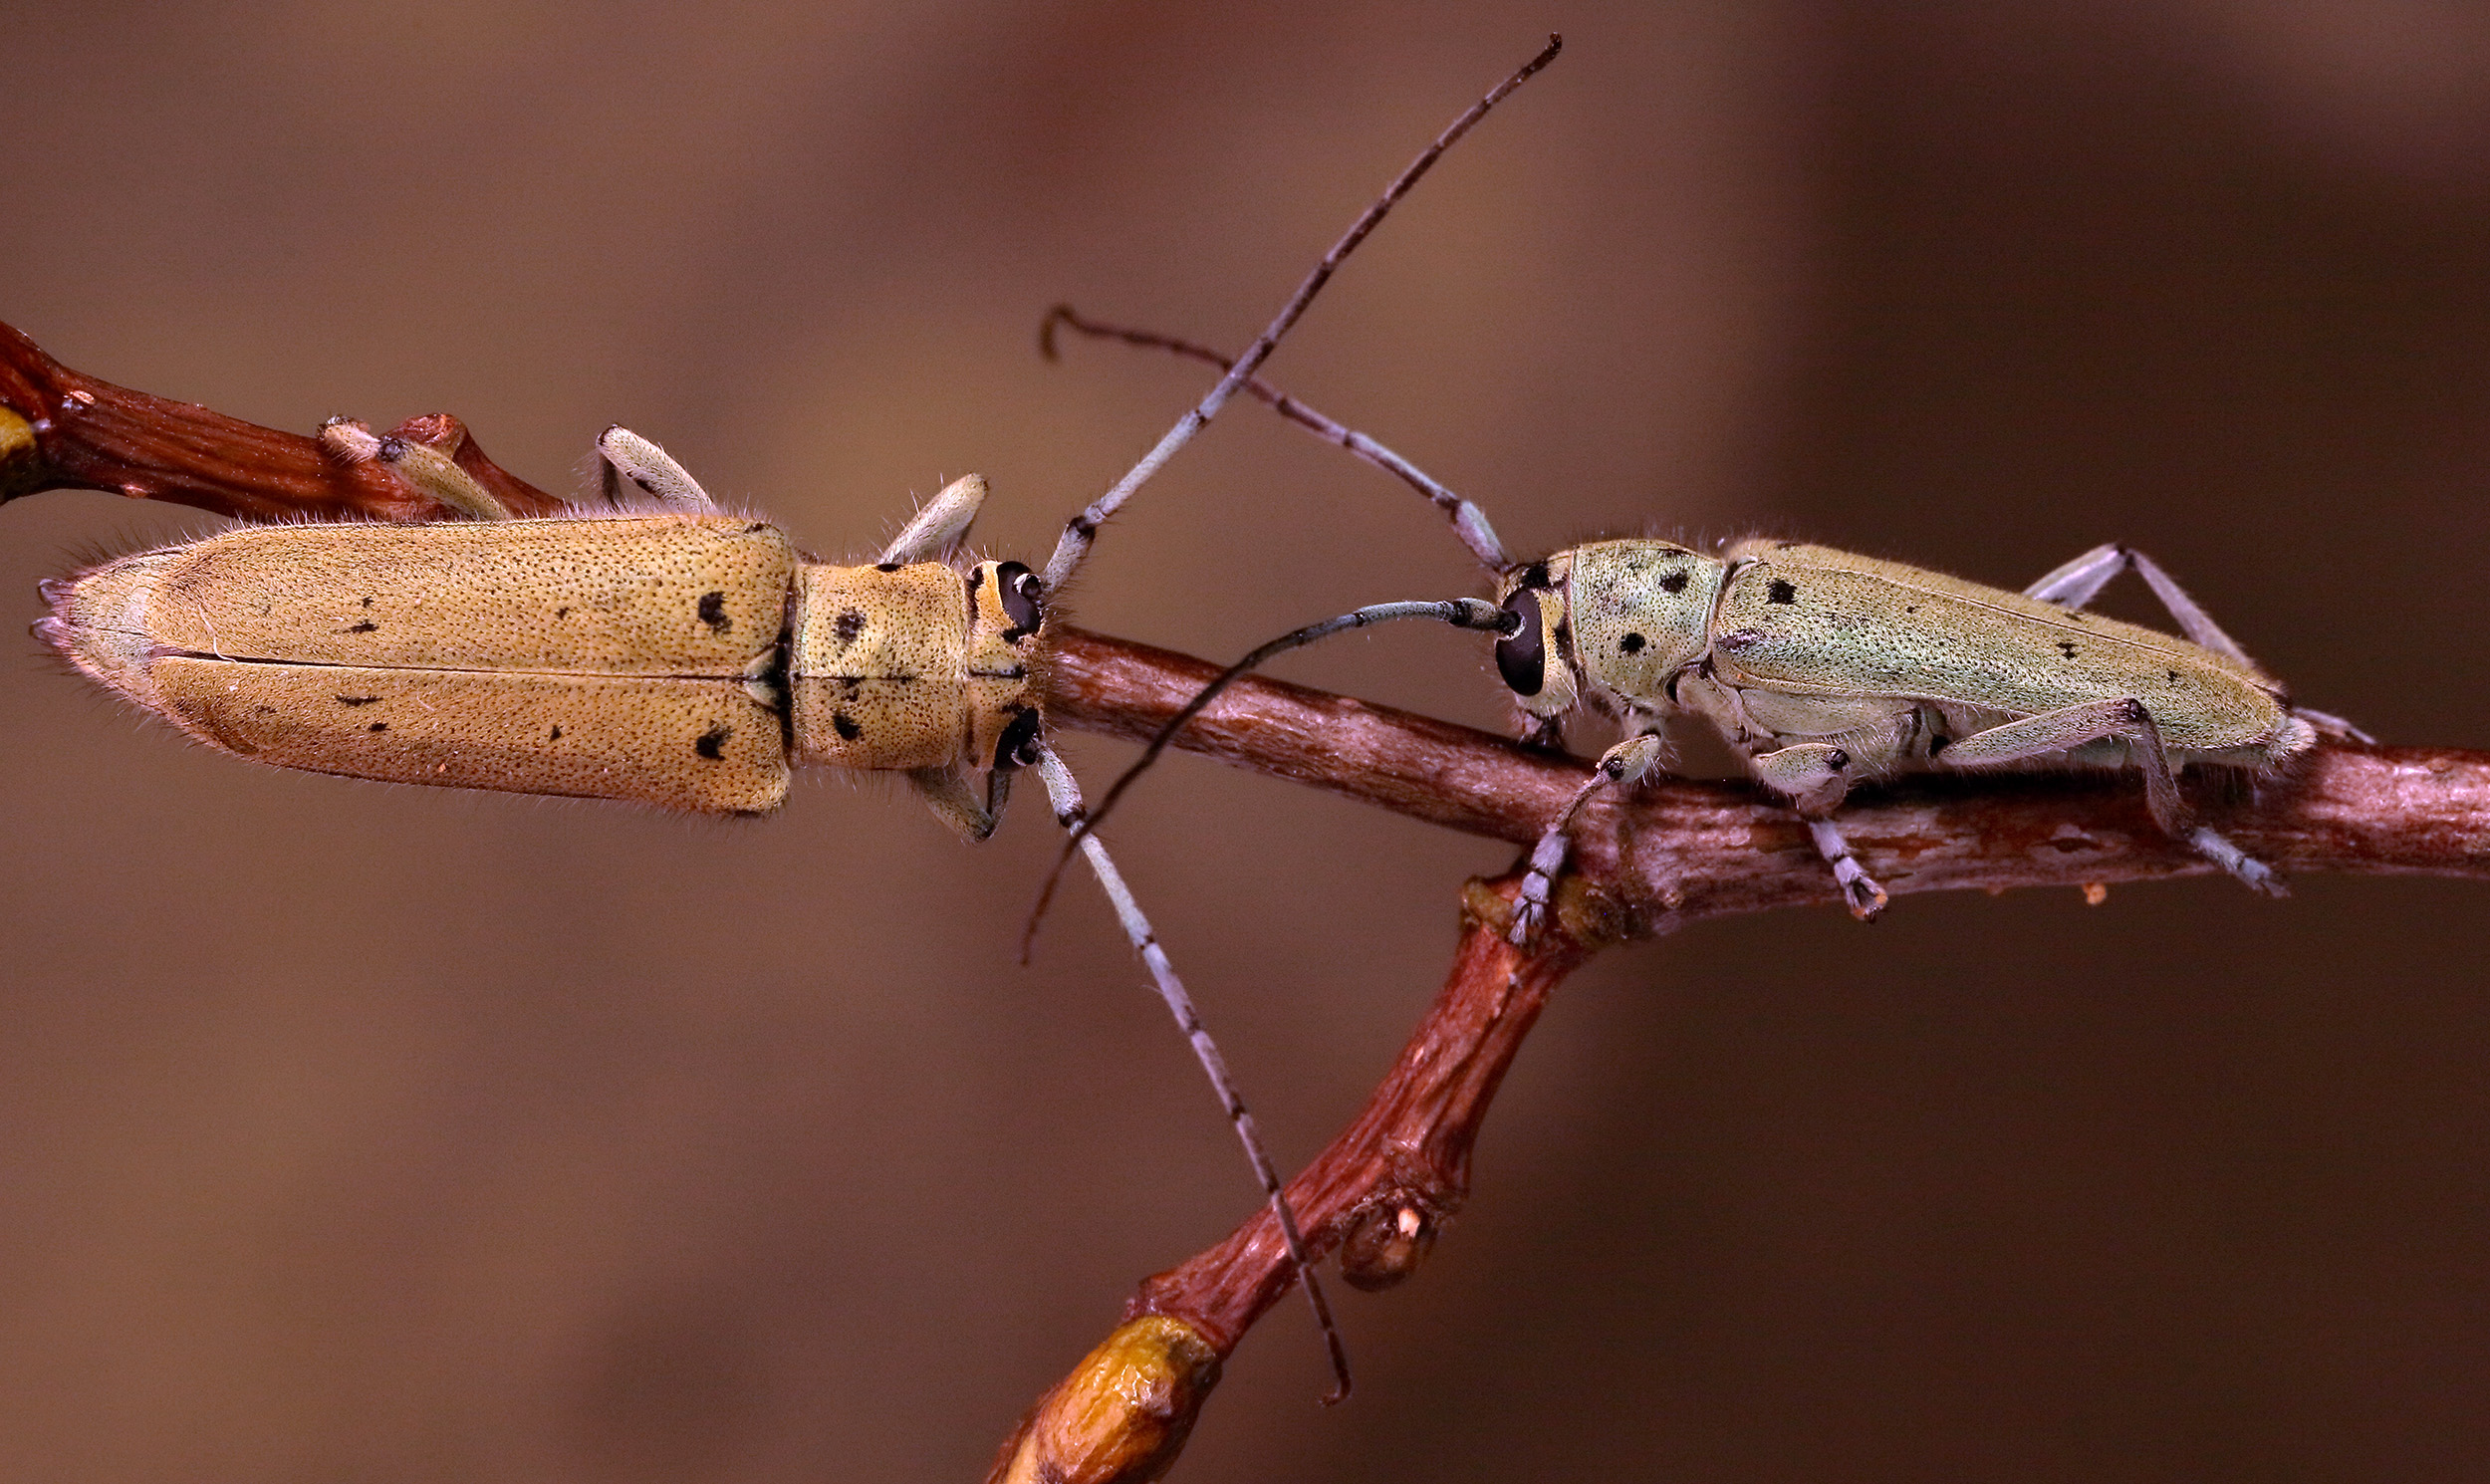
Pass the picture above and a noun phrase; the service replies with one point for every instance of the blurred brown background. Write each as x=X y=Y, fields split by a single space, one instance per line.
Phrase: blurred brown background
x=356 y=1132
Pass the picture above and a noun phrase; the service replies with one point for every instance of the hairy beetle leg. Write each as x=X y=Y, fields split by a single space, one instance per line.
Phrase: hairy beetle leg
x=1859 y=891
x=1625 y=763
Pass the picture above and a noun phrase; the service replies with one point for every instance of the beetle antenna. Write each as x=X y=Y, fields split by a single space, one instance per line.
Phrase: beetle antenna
x=1468 y=521
x=1474 y=614
x=1065 y=793
x=1081 y=530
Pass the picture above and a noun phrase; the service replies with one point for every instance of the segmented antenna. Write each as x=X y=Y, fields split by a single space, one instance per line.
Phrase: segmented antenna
x=1468 y=521
x=1079 y=533
x=1065 y=793
x=1475 y=614
x=1081 y=530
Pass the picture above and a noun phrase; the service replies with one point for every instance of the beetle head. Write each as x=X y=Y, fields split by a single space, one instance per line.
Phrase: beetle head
x=1536 y=659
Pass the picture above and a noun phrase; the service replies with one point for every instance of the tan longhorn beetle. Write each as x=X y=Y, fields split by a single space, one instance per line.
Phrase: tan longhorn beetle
x=672 y=655
x=1825 y=669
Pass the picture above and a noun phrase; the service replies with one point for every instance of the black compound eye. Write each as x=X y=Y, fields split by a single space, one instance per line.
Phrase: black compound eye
x=1020 y=589
x=1018 y=746
x=1521 y=656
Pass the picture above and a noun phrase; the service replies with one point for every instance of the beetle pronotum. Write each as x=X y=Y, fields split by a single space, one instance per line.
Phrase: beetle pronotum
x=673 y=656
x=1825 y=669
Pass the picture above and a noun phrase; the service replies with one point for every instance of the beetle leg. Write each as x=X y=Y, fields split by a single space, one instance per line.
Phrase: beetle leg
x=1859 y=891
x=1622 y=763
x=623 y=453
x=1816 y=776
x=945 y=791
x=2127 y=720
x=1542 y=731
x=418 y=466
x=2081 y=579
x=2332 y=725
x=2076 y=583
x=942 y=525
x=2068 y=728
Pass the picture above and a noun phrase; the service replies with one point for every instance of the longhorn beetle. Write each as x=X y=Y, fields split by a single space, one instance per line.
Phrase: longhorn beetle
x=673 y=656
x=1824 y=669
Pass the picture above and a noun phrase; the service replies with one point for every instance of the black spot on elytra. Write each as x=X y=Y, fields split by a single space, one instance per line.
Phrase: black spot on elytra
x=1631 y=644
x=2067 y=648
x=377 y=726
x=561 y=613
x=366 y=603
x=713 y=612
x=557 y=735
x=2174 y=674
x=851 y=623
x=364 y=627
x=1779 y=591
x=712 y=743
x=885 y=567
x=1673 y=582
x=1910 y=608
x=844 y=725
x=264 y=711
x=356 y=700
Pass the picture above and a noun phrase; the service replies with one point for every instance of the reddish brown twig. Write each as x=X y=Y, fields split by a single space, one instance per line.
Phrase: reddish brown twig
x=64 y=429
x=1675 y=853
x=1377 y=1195
x=1682 y=849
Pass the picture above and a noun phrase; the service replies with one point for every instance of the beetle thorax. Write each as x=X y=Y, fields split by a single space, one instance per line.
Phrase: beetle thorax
x=907 y=666
x=1637 y=613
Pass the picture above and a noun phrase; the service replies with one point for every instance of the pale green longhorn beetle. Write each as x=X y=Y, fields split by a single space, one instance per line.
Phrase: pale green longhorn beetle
x=674 y=656
x=1825 y=669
